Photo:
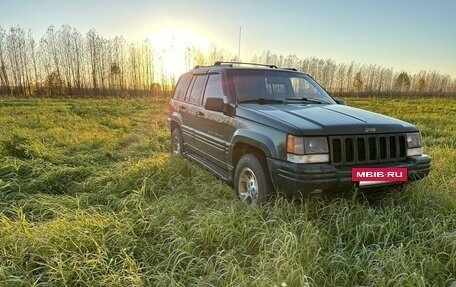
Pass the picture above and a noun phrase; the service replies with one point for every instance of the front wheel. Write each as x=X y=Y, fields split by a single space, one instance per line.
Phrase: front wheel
x=251 y=180
x=177 y=144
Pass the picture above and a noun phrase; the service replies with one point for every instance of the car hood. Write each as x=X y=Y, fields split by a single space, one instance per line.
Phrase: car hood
x=322 y=119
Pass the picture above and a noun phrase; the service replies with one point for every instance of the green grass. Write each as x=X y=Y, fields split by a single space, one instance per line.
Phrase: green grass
x=90 y=196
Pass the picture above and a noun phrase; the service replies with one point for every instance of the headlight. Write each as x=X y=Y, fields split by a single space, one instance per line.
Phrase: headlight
x=307 y=149
x=414 y=144
x=413 y=140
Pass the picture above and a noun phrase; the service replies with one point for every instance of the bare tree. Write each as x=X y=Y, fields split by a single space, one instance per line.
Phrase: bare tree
x=4 y=78
x=402 y=82
x=358 y=82
x=93 y=47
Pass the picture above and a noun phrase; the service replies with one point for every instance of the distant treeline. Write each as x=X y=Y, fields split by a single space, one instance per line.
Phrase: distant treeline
x=364 y=79
x=66 y=62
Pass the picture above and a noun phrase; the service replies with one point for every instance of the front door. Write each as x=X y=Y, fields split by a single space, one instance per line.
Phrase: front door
x=212 y=136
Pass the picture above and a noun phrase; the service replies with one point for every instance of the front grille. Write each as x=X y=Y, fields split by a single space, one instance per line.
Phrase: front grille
x=366 y=149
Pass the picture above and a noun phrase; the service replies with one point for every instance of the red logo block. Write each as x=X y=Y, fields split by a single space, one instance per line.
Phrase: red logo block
x=389 y=174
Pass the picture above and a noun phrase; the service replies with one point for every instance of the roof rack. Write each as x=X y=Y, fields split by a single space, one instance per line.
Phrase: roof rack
x=231 y=64
x=200 y=66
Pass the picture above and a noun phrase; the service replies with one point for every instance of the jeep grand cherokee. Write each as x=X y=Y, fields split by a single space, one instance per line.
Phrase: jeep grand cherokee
x=267 y=130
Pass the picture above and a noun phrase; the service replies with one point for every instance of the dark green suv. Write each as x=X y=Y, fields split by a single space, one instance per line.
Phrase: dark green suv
x=268 y=130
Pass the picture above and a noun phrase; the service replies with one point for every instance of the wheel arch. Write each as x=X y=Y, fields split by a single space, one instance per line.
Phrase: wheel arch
x=174 y=125
x=251 y=142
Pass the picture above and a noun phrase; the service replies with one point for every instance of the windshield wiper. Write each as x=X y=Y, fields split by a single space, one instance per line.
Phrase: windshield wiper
x=263 y=101
x=306 y=100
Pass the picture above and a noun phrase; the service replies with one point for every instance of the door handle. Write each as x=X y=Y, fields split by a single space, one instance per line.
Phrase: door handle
x=181 y=107
x=200 y=114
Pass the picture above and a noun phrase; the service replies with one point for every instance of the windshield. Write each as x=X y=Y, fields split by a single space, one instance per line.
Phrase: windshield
x=252 y=85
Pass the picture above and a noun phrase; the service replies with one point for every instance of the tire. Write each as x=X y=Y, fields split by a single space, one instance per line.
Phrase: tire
x=251 y=180
x=177 y=143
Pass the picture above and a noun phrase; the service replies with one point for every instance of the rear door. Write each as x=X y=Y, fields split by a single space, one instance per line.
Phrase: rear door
x=190 y=111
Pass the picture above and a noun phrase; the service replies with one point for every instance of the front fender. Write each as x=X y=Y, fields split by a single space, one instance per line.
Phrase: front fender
x=270 y=144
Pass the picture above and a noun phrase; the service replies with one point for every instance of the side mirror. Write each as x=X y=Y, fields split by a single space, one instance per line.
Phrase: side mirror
x=340 y=101
x=214 y=104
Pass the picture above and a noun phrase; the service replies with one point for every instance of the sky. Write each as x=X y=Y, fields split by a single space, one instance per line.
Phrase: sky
x=405 y=35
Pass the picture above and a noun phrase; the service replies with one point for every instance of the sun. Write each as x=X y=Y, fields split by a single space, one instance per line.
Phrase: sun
x=171 y=48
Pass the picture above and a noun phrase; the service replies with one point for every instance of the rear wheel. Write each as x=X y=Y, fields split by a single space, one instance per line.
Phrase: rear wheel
x=251 y=180
x=177 y=144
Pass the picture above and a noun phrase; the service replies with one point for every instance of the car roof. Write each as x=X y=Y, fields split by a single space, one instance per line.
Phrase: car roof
x=219 y=66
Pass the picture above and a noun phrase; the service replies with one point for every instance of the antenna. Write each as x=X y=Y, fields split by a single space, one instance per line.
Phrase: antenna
x=239 y=47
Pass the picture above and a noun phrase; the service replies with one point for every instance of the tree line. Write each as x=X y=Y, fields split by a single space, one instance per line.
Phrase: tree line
x=66 y=62
x=357 y=78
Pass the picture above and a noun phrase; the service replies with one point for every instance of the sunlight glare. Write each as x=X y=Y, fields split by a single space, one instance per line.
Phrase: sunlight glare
x=171 y=46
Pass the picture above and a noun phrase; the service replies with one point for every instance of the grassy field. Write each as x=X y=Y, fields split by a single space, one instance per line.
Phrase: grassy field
x=90 y=196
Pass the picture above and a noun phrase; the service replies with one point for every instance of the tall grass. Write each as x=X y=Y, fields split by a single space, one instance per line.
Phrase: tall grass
x=90 y=196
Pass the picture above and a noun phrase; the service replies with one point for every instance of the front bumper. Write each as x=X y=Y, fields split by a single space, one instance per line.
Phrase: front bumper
x=290 y=178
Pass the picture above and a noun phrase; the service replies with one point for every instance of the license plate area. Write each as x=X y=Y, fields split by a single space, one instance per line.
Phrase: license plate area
x=370 y=177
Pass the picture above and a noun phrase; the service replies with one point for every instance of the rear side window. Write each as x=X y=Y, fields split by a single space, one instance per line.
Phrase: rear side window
x=182 y=87
x=197 y=90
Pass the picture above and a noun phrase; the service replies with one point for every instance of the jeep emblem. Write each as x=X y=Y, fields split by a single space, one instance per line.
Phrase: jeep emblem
x=370 y=130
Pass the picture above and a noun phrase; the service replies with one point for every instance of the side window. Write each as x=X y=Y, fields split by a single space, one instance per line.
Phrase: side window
x=182 y=87
x=197 y=90
x=214 y=87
